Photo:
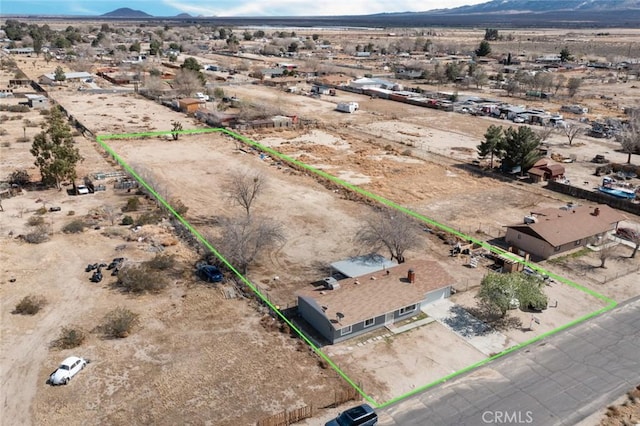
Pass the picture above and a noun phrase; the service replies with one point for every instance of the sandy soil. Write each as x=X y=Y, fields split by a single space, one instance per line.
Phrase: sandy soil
x=201 y=357
x=403 y=362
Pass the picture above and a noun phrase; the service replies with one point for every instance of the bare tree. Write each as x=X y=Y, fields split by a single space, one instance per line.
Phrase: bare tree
x=244 y=188
x=629 y=138
x=187 y=82
x=544 y=132
x=390 y=229
x=573 y=84
x=571 y=131
x=634 y=237
x=110 y=213
x=559 y=83
x=244 y=239
x=605 y=252
x=154 y=85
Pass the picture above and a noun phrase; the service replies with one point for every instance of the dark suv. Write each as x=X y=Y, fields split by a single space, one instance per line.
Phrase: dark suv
x=362 y=415
x=210 y=273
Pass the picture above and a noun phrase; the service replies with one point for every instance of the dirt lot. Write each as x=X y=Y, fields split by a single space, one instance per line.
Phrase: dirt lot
x=201 y=357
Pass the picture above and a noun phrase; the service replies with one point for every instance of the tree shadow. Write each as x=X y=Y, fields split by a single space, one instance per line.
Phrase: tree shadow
x=494 y=318
x=466 y=324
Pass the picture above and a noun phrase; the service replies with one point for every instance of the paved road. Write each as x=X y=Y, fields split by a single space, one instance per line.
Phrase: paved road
x=558 y=381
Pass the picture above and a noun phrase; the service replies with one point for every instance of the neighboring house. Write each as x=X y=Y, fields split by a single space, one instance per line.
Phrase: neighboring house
x=272 y=72
x=37 y=101
x=189 y=105
x=551 y=232
x=544 y=170
x=357 y=305
x=69 y=76
x=405 y=73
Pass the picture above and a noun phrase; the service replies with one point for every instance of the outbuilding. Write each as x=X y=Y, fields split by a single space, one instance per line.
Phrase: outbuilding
x=37 y=101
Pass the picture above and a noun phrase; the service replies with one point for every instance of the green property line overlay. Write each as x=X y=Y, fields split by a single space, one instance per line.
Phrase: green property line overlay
x=610 y=303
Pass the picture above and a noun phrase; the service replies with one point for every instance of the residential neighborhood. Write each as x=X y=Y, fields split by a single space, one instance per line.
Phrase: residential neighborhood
x=229 y=222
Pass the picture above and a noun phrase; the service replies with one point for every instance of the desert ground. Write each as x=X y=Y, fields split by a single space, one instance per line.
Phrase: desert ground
x=200 y=357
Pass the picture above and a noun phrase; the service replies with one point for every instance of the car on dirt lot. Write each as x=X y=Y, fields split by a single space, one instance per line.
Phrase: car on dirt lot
x=628 y=234
x=67 y=369
x=210 y=273
x=362 y=415
x=82 y=190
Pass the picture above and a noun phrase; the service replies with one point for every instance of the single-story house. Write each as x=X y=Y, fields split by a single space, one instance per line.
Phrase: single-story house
x=405 y=73
x=272 y=72
x=38 y=101
x=50 y=78
x=189 y=105
x=545 y=170
x=550 y=232
x=354 y=306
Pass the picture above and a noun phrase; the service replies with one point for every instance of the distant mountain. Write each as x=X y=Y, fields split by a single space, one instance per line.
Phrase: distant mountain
x=541 y=6
x=125 y=12
x=184 y=16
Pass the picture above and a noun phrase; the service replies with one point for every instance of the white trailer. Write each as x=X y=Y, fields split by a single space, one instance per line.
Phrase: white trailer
x=349 y=107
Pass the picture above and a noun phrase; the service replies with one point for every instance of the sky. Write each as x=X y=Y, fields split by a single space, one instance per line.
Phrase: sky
x=226 y=7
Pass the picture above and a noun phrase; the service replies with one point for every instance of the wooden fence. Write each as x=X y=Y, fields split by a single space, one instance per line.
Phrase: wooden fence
x=345 y=394
x=287 y=417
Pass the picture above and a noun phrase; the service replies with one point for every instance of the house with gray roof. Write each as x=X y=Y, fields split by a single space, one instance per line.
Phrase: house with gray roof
x=550 y=232
x=50 y=78
x=352 y=306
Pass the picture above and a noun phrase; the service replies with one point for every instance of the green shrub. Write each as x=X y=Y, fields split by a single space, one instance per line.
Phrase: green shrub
x=127 y=220
x=133 y=204
x=141 y=279
x=148 y=218
x=119 y=323
x=35 y=221
x=161 y=262
x=39 y=235
x=30 y=305
x=14 y=108
x=19 y=177
x=74 y=227
x=70 y=337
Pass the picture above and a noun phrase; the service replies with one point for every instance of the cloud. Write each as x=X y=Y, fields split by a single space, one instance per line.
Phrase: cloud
x=307 y=8
x=81 y=9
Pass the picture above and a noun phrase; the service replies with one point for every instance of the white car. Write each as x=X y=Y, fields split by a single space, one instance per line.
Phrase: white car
x=518 y=120
x=202 y=96
x=67 y=369
x=81 y=190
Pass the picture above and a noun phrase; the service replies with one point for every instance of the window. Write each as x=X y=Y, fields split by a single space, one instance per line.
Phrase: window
x=407 y=309
x=557 y=248
x=578 y=242
x=519 y=236
x=345 y=330
x=369 y=322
